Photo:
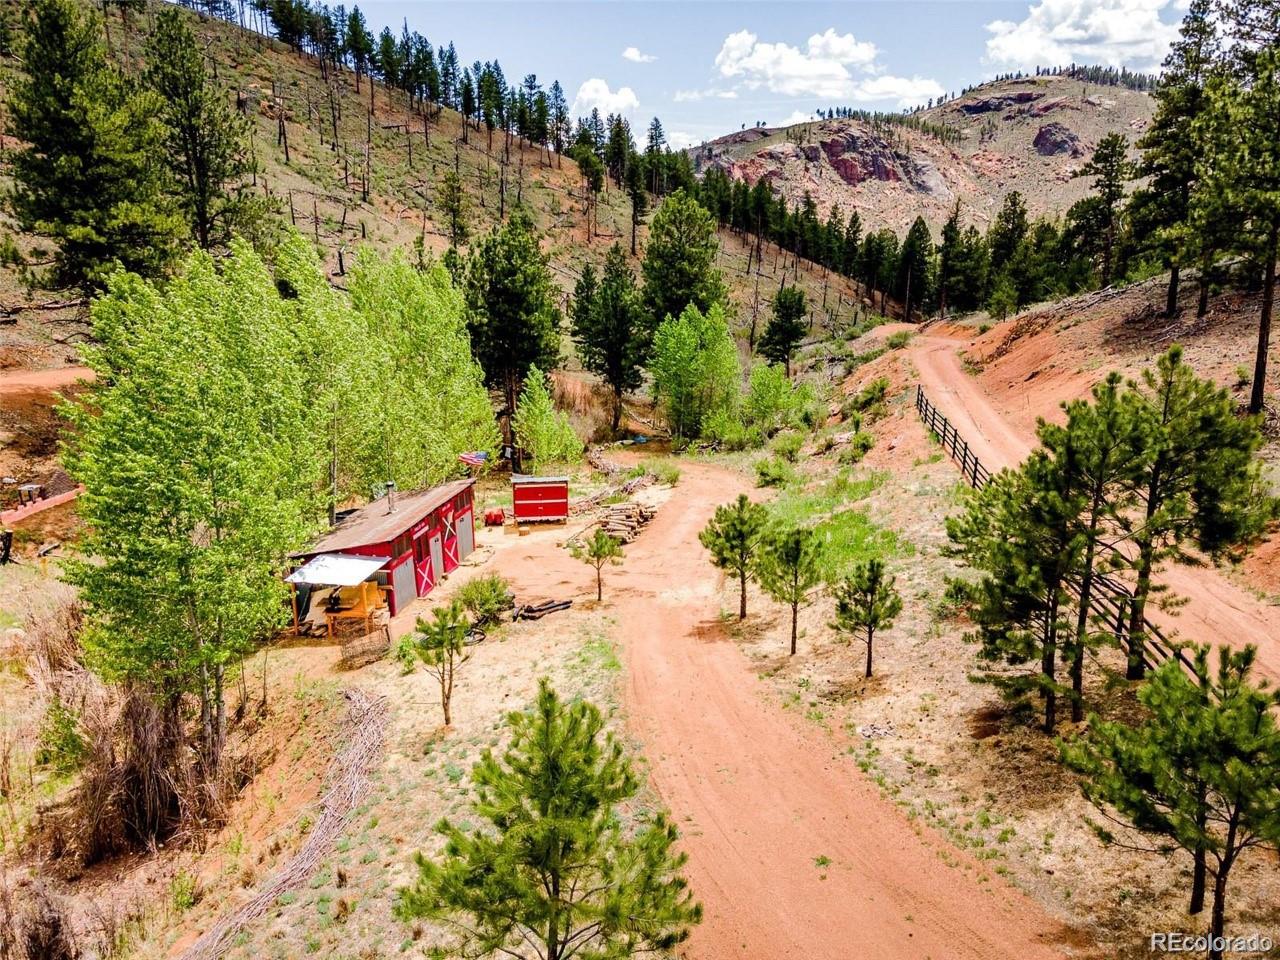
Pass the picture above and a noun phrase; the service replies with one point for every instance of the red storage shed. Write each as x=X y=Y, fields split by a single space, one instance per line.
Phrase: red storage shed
x=539 y=498
x=422 y=537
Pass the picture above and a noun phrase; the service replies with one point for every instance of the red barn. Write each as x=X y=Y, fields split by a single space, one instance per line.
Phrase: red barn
x=421 y=536
x=539 y=498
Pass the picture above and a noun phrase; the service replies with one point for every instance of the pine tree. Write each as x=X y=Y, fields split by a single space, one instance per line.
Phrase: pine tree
x=90 y=173
x=359 y=44
x=454 y=204
x=636 y=195
x=1110 y=169
x=1102 y=442
x=1021 y=532
x=679 y=260
x=1199 y=482
x=1008 y=230
x=732 y=536
x=600 y=549
x=511 y=308
x=1169 y=147
x=866 y=601
x=609 y=327
x=441 y=644
x=208 y=141
x=914 y=282
x=786 y=327
x=1200 y=773
x=557 y=872
x=787 y=569
x=1239 y=134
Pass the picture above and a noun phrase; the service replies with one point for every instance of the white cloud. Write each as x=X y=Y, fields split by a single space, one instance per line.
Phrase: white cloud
x=684 y=96
x=635 y=56
x=832 y=66
x=798 y=116
x=1112 y=32
x=595 y=94
x=680 y=140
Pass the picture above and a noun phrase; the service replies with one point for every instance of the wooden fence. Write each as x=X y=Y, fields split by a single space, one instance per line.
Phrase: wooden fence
x=1111 y=601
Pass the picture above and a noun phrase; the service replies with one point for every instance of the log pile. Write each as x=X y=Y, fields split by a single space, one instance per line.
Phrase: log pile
x=623 y=521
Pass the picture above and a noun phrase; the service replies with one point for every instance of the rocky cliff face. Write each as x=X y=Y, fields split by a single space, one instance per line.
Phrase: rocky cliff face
x=1028 y=135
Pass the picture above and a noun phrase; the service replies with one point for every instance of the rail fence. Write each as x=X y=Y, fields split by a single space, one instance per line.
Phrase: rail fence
x=1111 y=601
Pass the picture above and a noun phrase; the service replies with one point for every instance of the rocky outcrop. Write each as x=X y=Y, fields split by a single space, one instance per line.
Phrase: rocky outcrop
x=857 y=156
x=1056 y=140
x=992 y=104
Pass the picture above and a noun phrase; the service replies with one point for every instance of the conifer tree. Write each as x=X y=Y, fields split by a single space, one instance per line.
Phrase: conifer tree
x=441 y=644
x=511 y=307
x=1102 y=442
x=558 y=872
x=1239 y=132
x=1008 y=230
x=786 y=327
x=866 y=601
x=455 y=205
x=787 y=569
x=609 y=327
x=636 y=195
x=1199 y=481
x=914 y=281
x=1169 y=147
x=1110 y=170
x=359 y=44
x=1200 y=773
x=599 y=550
x=90 y=172
x=1020 y=531
x=732 y=536
x=679 y=260
x=208 y=149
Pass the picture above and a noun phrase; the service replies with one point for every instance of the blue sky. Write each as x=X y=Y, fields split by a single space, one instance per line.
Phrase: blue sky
x=706 y=67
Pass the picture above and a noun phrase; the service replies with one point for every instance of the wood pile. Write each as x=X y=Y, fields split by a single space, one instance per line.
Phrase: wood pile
x=624 y=521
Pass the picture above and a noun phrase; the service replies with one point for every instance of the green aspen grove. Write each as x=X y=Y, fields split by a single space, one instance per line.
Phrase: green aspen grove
x=695 y=369
x=556 y=869
x=546 y=436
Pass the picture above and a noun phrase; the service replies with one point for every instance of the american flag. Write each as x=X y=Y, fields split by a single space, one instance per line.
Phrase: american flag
x=474 y=458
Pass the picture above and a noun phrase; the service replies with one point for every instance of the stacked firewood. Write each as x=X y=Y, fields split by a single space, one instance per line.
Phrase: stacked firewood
x=623 y=521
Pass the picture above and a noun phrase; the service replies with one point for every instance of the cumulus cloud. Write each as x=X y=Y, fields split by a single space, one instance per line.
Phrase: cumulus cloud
x=686 y=96
x=595 y=94
x=635 y=56
x=1113 y=32
x=832 y=66
x=681 y=140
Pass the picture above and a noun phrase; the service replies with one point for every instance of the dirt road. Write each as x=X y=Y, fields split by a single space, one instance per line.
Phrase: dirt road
x=1217 y=610
x=23 y=381
x=763 y=798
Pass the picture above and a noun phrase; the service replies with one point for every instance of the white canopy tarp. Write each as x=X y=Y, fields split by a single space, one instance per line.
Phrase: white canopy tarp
x=336 y=570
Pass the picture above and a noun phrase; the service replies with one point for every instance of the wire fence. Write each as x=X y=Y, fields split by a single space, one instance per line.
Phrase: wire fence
x=1110 y=601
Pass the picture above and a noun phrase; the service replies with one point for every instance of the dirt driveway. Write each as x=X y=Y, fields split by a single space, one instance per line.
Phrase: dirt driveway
x=793 y=852
x=1218 y=611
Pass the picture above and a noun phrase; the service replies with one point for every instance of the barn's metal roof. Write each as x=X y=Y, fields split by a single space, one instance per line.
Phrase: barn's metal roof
x=336 y=570
x=373 y=524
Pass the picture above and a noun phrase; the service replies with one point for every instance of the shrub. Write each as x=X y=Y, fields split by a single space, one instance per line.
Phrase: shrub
x=773 y=472
x=664 y=471
x=857 y=448
x=695 y=369
x=869 y=401
x=787 y=445
x=727 y=429
x=898 y=340
x=485 y=597
x=60 y=744
x=544 y=433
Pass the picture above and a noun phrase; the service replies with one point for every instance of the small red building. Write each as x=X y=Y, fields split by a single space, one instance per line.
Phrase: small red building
x=539 y=498
x=422 y=537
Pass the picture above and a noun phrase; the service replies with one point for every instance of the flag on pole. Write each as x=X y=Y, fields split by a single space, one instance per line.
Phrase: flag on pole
x=474 y=458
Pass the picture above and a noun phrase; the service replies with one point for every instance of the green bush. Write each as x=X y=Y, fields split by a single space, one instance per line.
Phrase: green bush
x=857 y=448
x=787 y=445
x=485 y=597
x=726 y=428
x=773 y=472
x=664 y=471
x=898 y=340
x=869 y=401
x=60 y=744
x=406 y=653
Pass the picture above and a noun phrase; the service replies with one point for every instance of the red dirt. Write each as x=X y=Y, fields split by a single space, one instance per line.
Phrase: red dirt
x=1217 y=610
x=760 y=795
x=31 y=380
